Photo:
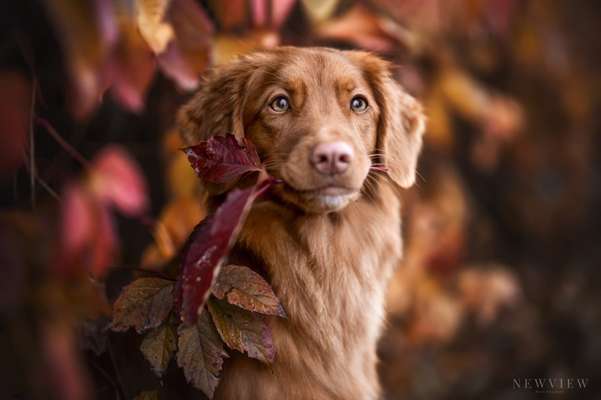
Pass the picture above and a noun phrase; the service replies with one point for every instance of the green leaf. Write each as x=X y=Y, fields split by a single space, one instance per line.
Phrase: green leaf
x=144 y=304
x=244 y=288
x=158 y=347
x=200 y=354
x=243 y=330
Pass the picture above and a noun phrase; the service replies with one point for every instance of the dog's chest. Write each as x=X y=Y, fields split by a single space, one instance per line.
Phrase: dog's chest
x=330 y=274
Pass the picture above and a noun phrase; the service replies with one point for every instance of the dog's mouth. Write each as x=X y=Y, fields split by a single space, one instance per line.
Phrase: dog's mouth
x=329 y=190
x=325 y=198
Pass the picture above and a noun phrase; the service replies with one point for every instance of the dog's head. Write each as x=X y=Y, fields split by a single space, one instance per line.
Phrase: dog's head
x=320 y=119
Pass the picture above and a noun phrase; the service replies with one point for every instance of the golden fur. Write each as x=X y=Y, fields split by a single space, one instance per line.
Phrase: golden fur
x=329 y=262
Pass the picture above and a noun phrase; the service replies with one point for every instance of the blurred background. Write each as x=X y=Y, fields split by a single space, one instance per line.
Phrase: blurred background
x=501 y=274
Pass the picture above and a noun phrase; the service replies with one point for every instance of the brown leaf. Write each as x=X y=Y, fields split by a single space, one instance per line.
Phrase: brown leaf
x=231 y=14
x=243 y=331
x=148 y=395
x=133 y=66
x=244 y=288
x=87 y=31
x=174 y=225
x=150 y=16
x=320 y=10
x=189 y=53
x=360 y=27
x=227 y=47
x=158 y=347
x=200 y=354
x=144 y=304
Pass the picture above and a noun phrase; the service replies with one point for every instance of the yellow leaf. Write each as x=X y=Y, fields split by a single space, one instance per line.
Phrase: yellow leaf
x=150 y=16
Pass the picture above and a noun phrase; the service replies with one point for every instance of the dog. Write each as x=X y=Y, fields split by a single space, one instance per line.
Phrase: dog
x=329 y=236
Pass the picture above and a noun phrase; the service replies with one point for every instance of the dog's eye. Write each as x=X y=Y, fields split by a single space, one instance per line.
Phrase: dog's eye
x=358 y=104
x=280 y=104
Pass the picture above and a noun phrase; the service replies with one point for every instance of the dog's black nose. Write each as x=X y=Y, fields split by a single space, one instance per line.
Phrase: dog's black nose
x=332 y=158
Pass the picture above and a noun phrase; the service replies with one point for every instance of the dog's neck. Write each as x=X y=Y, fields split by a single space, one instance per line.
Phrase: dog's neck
x=330 y=273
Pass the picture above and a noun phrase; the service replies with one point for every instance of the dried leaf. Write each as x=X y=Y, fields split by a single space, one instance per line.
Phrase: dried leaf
x=243 y=331
x=93 y=334
x=227 y=47
x=158 y=347
x=208 y=244
x=244 y=288
x=181 y=180
x=148 y=395
x=133 y=66
x=176 y=222
x=487 y=291
x=150 y=15
x=222 y=159
x=200 y=354
x=116 y=179
x=87 y=31
x=231 y=14
x=320 y=10
x=187 y=56
x=144 y=304
x=360 y=27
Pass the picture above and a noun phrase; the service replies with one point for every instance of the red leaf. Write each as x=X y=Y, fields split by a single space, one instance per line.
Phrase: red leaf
x=207 y=247
x=117 y=180
x=222 y=159
x=15 y=113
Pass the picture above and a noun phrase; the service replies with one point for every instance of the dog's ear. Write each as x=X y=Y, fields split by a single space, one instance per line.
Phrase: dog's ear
x=218 y=107
x=401 y=124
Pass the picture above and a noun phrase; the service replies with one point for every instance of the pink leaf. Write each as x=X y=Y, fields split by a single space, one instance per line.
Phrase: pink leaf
x=88 y=236
x=259 y=12
x=117 y=180
x=207 y=247
x=221 y=159
x=77 y=214
x=280 y=11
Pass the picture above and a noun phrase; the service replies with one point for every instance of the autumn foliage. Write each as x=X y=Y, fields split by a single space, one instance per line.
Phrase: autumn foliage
x=116 y=281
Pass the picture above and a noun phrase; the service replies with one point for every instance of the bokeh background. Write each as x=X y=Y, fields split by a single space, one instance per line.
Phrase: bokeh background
x=503 y=229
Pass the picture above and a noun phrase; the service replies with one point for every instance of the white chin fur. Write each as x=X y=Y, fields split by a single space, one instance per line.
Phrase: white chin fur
x=333 y=202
